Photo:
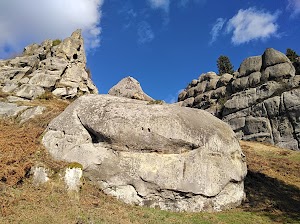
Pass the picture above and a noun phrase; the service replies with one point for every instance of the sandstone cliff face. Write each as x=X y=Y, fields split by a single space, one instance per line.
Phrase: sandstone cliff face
x=261 y=101
x=54 y=67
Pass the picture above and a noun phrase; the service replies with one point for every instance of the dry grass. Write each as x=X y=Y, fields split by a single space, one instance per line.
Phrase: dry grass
x=20 y=144
x=275 y=162
x=272 y=185
x=273 y=182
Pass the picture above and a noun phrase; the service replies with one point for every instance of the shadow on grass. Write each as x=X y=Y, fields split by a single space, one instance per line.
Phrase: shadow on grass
x=272 y=197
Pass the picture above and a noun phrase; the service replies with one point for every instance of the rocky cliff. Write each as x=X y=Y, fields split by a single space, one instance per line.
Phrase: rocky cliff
x=261 y=101
x=53 y=66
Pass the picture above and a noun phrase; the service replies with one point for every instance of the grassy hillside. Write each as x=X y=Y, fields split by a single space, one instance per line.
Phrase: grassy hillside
x=272 y=185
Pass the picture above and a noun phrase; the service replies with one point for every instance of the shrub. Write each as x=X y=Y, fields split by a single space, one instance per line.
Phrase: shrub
x=75 y=165
x=291 y=54
x=56 y=42
x=159 y=102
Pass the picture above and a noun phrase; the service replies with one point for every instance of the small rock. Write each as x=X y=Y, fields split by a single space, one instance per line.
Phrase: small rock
x=31 y=113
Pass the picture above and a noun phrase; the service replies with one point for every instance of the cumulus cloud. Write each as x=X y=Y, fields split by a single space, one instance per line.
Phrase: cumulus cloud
x=145 y=32
x=294 y=6
x=251 y=24
x=25 y=22
x=160 y=4
x=217 y=27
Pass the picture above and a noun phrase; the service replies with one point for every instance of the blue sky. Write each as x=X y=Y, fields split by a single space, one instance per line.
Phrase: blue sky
x=164 y=44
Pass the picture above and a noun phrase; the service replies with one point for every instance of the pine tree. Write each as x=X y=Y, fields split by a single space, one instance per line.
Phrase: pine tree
x=224 y=65
x=291 y=54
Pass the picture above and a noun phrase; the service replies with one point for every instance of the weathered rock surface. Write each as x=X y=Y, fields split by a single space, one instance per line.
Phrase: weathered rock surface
x=13 y=110
x=48 y=67
x=129 y=88
x=260 y=102
x=10 y=109
x=165 y=156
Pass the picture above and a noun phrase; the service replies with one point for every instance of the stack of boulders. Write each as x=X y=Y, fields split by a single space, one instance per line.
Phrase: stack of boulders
x=56 y=66
x=261 y=101
x=297 y=65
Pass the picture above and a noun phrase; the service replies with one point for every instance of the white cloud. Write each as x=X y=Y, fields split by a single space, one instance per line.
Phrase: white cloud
x=251 y=24
x=160 y=4
x=145 y=32
x=25 y=22
x=294 y=6
x=217 y=27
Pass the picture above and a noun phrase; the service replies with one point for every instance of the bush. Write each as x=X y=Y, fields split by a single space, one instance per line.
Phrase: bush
x=56 y=42
x=291 y=54
x=75 y=165
x=159 y=102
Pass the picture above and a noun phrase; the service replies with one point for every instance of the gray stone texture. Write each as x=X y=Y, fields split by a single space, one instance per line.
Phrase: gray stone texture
x=261 y=102
x=165 y=156
x=46 y=67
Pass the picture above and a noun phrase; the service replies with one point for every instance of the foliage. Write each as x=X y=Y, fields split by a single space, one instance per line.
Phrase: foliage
x=224 y=65
x=160 y=102
x=56 y=42
x=75 y=165
x=291 y=54
x=223 y=100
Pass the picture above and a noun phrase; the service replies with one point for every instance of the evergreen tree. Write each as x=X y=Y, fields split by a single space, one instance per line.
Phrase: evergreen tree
x=224 y=65
x=291 y=54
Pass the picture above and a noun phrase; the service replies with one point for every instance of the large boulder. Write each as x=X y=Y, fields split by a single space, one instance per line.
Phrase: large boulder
x=165 y=156
x=273 y=57
x=249 y=65
x=129 y=88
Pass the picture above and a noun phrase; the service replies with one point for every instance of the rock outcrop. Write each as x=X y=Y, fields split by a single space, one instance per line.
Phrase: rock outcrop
x=129 y=88
x=260 y=101
x=297 y=65
x=165 y=156
x=54 y=66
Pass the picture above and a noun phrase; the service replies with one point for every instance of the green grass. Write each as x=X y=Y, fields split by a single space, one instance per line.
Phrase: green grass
x=52 y=204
